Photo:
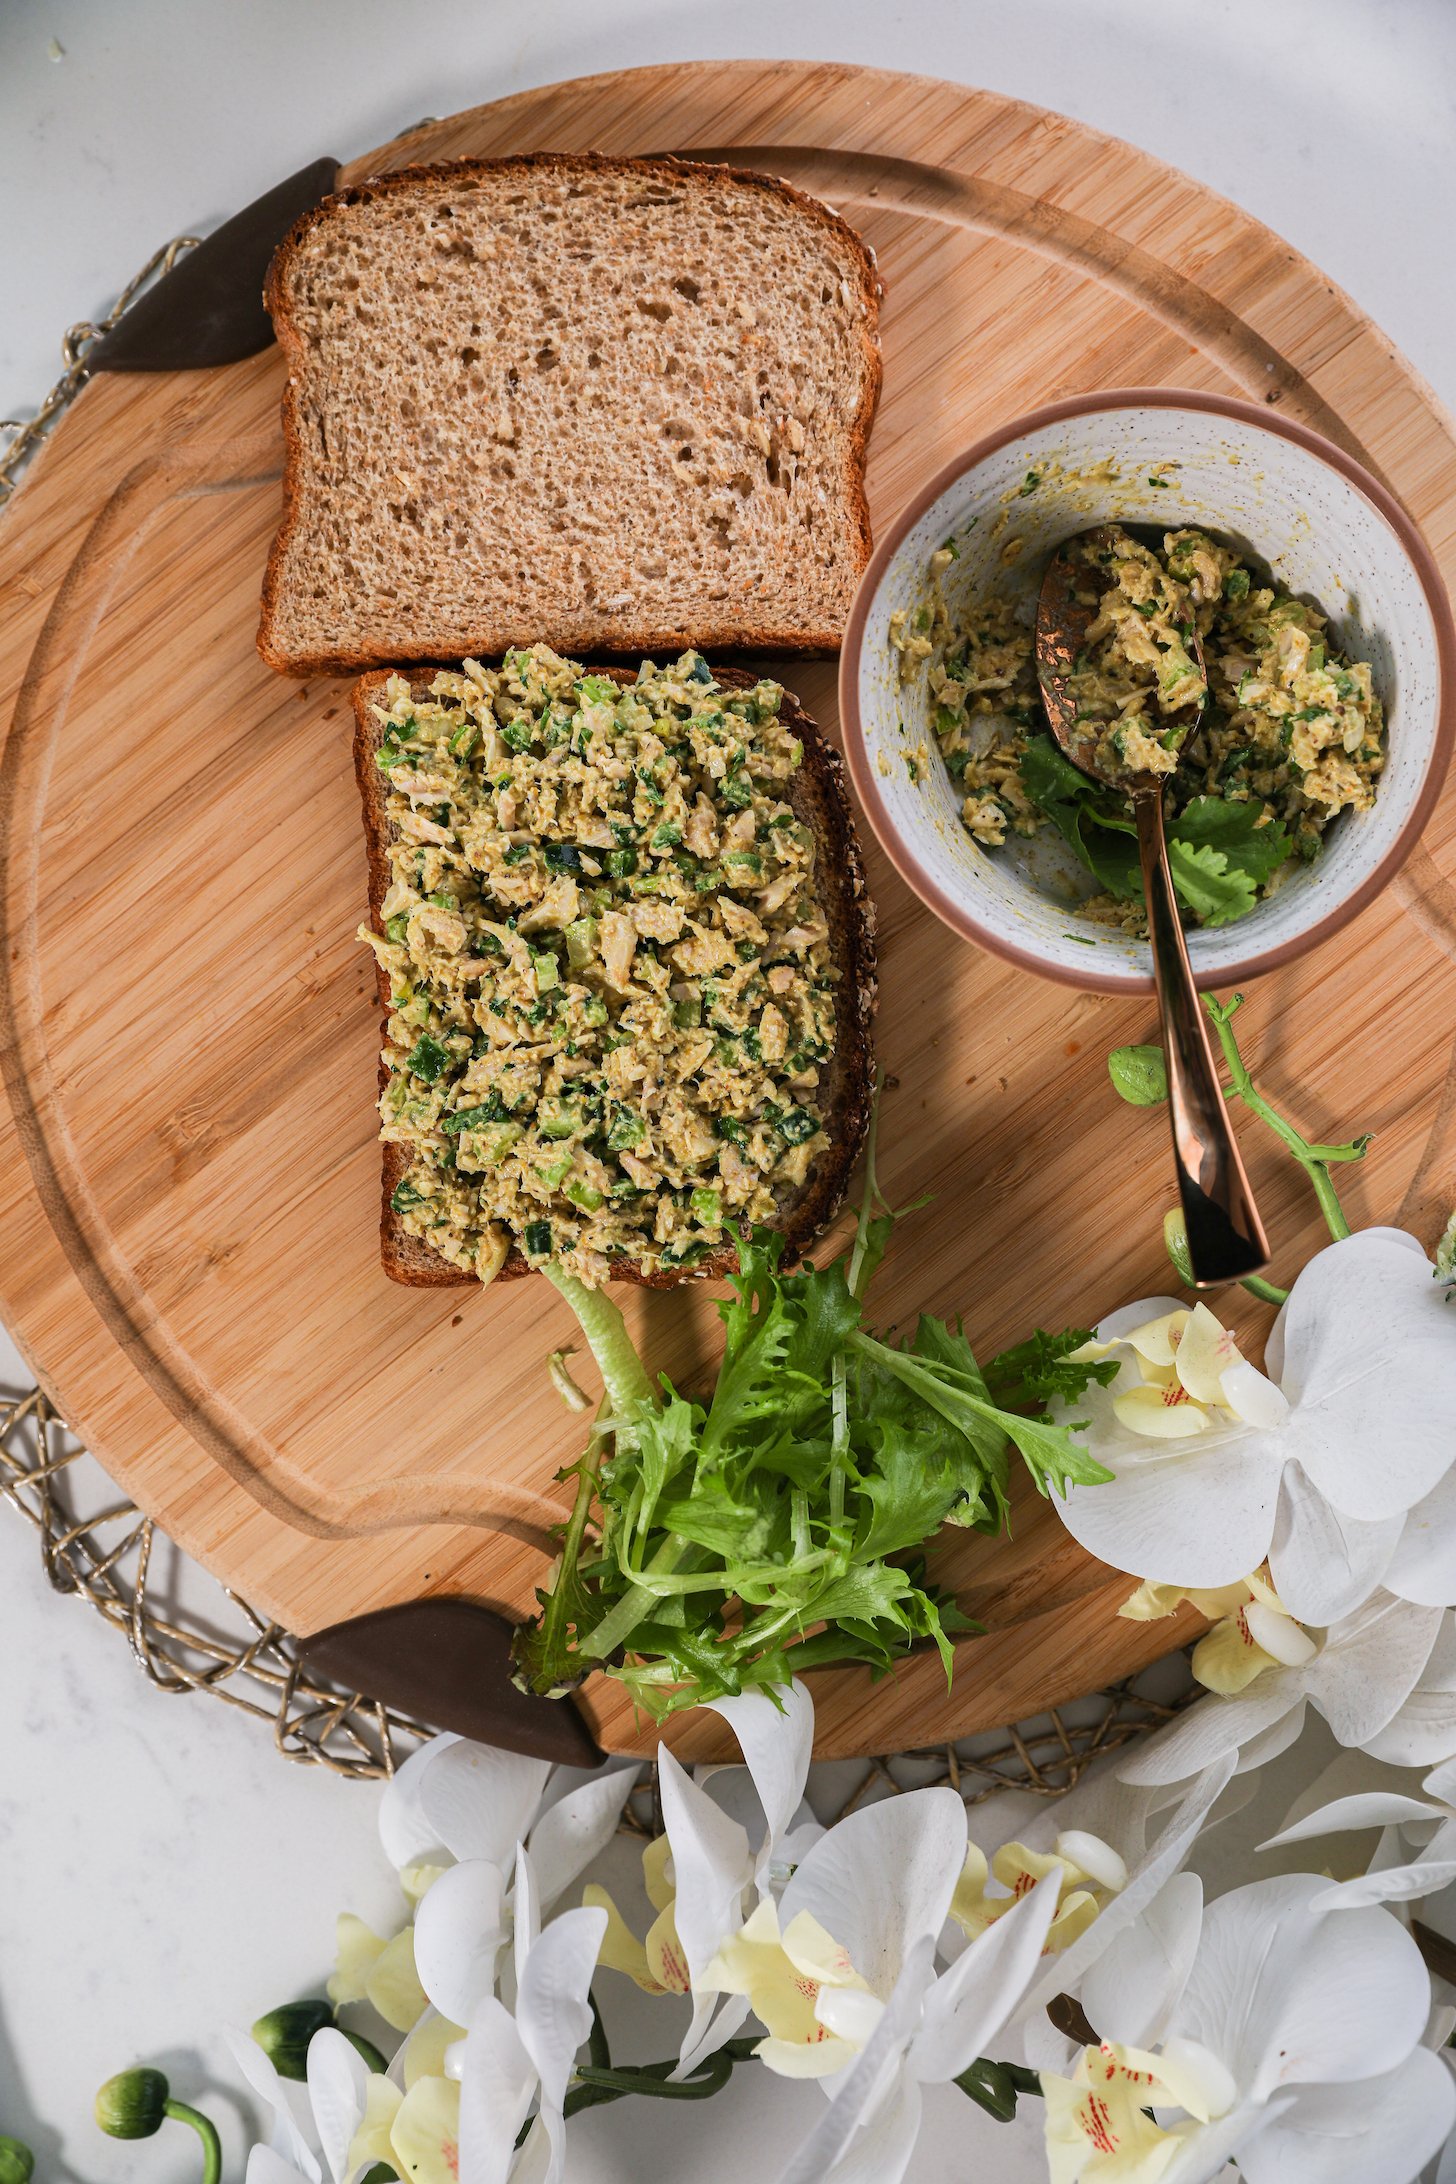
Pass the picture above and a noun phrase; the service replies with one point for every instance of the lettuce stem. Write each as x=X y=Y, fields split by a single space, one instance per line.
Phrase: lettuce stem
x=624 y=1376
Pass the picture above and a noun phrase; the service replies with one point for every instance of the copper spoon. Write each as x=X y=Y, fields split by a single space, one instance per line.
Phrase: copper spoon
x=1226 y=1238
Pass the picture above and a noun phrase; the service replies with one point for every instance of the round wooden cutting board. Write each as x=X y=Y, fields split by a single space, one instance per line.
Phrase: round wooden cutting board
x=188 y=1165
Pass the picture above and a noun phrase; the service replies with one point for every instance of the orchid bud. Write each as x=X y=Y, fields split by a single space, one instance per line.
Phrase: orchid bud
x=284 y=2034
x=1175 y=1243
x=17 y=2162
x=133 y=2105
x=1139 y=1074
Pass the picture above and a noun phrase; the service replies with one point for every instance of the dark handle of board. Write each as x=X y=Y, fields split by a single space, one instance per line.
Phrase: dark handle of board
x=209 y=309
x=448 y=1663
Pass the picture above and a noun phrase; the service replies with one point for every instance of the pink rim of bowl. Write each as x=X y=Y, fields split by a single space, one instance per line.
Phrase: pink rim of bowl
x=1112 y=966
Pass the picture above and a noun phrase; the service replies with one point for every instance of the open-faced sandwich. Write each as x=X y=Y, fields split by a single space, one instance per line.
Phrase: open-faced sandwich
x=626 y=959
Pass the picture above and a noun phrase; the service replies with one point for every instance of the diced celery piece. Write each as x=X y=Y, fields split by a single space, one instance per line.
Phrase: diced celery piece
x=580 y=939
x=548 y=972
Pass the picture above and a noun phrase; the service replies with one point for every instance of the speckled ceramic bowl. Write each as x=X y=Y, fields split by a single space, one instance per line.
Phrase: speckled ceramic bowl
x=1319 y=521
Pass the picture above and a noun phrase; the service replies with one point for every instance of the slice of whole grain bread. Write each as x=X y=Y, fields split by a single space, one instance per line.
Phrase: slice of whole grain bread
x=819 y=798
x=619 y=405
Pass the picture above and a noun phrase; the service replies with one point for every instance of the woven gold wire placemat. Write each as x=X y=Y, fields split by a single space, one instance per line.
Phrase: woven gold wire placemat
x=97 y=1547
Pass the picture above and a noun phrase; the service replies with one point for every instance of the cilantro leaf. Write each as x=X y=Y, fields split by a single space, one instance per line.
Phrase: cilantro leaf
x=1216 y=893
x=1233 y=829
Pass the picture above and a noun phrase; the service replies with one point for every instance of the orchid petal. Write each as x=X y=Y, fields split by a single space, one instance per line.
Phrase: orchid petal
x=1202 y=1354
x=1190 y=1514
x=1131 y=1319
x=481 y=1802
x=338 y=2079
x=1364 y=1809
x=713 y=1866
x=861 y=2095
x=1371 y=1663
x=267 y=2167
x=1389 y=1884
x=1440 y=1783
x=459 y=1931
x=1324 y=1564
x=1330 y=2133
x=1069 y=1969
x=775 y=1733
x=1287 y=1996
x=407 y=1835
x=1253 y=1398
x=1156 y=1341
x=969 y=2005
x=525 y=1911
x=1160 y=1414
x=1424 y=1729
x=1259 y=1750
x=426 y=2053
x=497 y=2079
x=850 y=2013
x=1280 y=1636
x=553 y=2014
x=1423 y=1566
x=883 y=1878
x=1213 y=1729
x=572 y=1831
x=1370 y=1366
x=425 y=2135
x=286 y=2139
x=1130 y=1993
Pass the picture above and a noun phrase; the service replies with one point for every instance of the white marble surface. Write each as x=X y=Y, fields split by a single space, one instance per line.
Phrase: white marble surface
x=162 y=1872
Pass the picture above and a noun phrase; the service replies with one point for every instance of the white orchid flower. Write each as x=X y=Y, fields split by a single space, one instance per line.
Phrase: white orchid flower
x=359 y=2116
x=450 y=1822
x=730 y=1833
x=1252 y=1629
x=1289 y=2042
x=930 y=2030
x=1315 y=1468
x=1367 y=1673
x=1091 y=1871
x=1416 y=1852
x=819 y=1966
x=1153 y=1833
x=508 y=2061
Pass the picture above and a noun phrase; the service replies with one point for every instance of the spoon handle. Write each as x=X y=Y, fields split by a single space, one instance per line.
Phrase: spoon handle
x=1226 y=1238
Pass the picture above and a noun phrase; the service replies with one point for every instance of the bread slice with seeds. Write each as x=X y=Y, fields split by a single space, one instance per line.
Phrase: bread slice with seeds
x=617 y=405
x=819 y=798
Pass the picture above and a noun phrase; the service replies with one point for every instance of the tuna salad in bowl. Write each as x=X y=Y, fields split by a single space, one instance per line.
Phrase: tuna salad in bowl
x=1235 y=560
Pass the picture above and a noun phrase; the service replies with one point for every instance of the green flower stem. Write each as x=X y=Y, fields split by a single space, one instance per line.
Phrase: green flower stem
x=206 y=2131
x=595 y=2086
x=1270 y=1292
x=1315 y=1160
x=598 y=2046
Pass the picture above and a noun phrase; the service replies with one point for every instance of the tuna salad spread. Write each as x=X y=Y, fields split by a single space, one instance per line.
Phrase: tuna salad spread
x=610 y=988
x=1261 y=749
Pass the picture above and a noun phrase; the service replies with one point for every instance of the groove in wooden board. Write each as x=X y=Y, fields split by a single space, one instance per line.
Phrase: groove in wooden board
x=198 y=1123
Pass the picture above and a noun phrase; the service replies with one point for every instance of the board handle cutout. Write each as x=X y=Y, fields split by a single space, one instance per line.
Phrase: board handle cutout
x=448 y=1663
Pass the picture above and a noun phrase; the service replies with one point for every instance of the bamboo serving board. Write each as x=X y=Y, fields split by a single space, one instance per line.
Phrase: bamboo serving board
x=188 y=1165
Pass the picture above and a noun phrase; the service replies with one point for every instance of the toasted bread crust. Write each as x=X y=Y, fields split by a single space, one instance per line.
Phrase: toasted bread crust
x=819 y=796
x=644 y=638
